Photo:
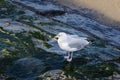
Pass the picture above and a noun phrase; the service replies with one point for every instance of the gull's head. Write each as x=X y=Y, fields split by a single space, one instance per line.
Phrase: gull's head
x=60 y=35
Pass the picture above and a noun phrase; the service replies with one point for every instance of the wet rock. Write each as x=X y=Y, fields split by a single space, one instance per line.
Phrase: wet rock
x=54 y=75
x=116 y=76
x=103 y=32
x=27 y=68
x=100 y=70
x=7 y=23
x=3 y=9
x=3 y=76
x=13 y=26
x=45 y=8
x=1 y=56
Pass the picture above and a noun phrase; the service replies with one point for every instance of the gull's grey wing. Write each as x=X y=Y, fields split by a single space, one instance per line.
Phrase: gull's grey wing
x=77 y=43
x=76 y=36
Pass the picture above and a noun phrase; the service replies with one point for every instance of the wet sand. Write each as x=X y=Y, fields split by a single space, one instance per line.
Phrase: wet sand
x=109 y=8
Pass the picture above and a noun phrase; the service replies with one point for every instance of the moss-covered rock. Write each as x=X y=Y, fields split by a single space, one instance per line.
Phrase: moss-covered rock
x=97 y=71
x=27 y=67
x=54 y=75
x=7 y=10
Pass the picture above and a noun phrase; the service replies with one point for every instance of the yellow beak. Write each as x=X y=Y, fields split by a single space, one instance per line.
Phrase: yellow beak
x=55 y=38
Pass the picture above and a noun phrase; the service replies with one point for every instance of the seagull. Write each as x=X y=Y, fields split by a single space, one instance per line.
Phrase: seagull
x=70 y=43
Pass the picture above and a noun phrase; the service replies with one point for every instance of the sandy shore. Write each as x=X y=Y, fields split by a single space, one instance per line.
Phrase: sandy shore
x=109 y=8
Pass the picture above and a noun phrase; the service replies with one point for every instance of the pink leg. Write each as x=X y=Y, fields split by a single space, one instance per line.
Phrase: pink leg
x=69 y=59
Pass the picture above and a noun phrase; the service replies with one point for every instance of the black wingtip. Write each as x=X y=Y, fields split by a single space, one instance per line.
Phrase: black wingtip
x=90 y=40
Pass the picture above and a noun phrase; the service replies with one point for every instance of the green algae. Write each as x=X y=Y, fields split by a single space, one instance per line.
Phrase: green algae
x=99 y=43
x=37 y=27
x=38 y=35
x=26 y=17
x=81 y=68
x=3 y=3
x=48 y=23
x=98 y=70
x=46 y=44
x=11 y=78
x=9 y=10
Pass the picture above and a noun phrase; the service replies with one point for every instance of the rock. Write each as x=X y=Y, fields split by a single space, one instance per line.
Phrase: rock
x=14 y=26
x=45 y=8
x=1 y=56
x=27 y=68
x=60 y=13
x=106 y=33
x=8 y=23
x=53 y=75
x=3 y=9
x=3 y=76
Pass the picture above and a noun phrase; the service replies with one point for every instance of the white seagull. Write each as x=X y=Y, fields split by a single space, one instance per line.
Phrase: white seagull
x=70 y=43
